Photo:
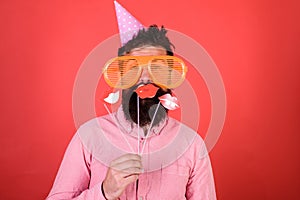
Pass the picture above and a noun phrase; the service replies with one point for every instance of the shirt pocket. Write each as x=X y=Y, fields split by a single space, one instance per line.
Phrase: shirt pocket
x=176 y=169
x=174 y=179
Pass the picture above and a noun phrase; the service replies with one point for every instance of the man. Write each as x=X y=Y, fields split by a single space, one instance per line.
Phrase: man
x=138 y=152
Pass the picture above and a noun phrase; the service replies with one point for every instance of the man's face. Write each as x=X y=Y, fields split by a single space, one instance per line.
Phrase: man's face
x=147 y=106
x=147 y=51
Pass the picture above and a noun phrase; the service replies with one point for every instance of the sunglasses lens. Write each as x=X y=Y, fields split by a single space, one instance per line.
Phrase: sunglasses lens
x=122 y=73
x=167 y=72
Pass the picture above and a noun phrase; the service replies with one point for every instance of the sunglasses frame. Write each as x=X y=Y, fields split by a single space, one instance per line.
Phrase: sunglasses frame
x=144 y=62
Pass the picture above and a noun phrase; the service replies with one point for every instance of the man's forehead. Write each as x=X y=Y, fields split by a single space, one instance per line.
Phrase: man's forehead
x=148 y=51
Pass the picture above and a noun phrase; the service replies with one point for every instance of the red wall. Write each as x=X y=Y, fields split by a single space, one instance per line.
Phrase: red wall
x=254 y=43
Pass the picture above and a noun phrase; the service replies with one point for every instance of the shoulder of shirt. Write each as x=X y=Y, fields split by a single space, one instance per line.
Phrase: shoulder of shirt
x=92 y=123
x=195 y=143
x=186 y=129
x=90 y=129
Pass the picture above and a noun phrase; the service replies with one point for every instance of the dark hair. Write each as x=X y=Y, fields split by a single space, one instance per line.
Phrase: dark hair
x=152 y=36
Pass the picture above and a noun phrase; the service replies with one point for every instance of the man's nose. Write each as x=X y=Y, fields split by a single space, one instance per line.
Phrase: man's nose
x=145 y=76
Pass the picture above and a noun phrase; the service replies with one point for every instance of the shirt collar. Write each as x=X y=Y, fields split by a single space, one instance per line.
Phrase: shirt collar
x=133 y=129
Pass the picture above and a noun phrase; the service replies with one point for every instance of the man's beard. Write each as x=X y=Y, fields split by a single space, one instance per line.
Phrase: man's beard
x=147 y=107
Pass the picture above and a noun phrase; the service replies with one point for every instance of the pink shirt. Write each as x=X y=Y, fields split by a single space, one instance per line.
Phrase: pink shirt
x=176 y=164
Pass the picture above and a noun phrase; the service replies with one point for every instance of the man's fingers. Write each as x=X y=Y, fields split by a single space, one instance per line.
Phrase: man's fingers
x=126 y=172
x=125 y=158
x=130 y=179
x=127 y=164
x=131 y=171
x=122 y=171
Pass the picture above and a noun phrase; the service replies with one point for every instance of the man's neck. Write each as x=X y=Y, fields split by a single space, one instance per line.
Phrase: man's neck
x=145 y=129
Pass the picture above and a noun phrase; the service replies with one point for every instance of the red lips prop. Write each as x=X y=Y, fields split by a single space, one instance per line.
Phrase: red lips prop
x=146 y=91
x=169 y=102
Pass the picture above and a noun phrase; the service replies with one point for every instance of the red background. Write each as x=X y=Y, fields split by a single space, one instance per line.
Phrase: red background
x=254 y=43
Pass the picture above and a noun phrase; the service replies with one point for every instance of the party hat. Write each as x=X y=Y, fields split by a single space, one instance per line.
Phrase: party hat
x=128 y=25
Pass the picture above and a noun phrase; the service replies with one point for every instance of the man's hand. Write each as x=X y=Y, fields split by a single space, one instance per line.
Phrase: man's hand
x=122 y=171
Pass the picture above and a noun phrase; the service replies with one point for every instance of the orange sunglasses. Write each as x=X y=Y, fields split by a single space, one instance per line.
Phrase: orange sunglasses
x=124 y=71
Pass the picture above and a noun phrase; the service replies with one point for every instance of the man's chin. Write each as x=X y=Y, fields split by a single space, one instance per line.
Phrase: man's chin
x=147 y=107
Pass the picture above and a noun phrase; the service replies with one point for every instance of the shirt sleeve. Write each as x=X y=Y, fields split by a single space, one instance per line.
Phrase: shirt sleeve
x=201 y=182
x=73 y=177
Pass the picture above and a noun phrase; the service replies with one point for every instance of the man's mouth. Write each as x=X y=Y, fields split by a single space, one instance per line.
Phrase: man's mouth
x=146 y=91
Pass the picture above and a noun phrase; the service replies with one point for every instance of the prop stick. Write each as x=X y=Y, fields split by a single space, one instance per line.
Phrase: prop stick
x=148 y=132
x=115 y=121
x=138 y=123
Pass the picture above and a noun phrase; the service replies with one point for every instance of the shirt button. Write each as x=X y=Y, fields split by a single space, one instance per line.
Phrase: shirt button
x=140 y=198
